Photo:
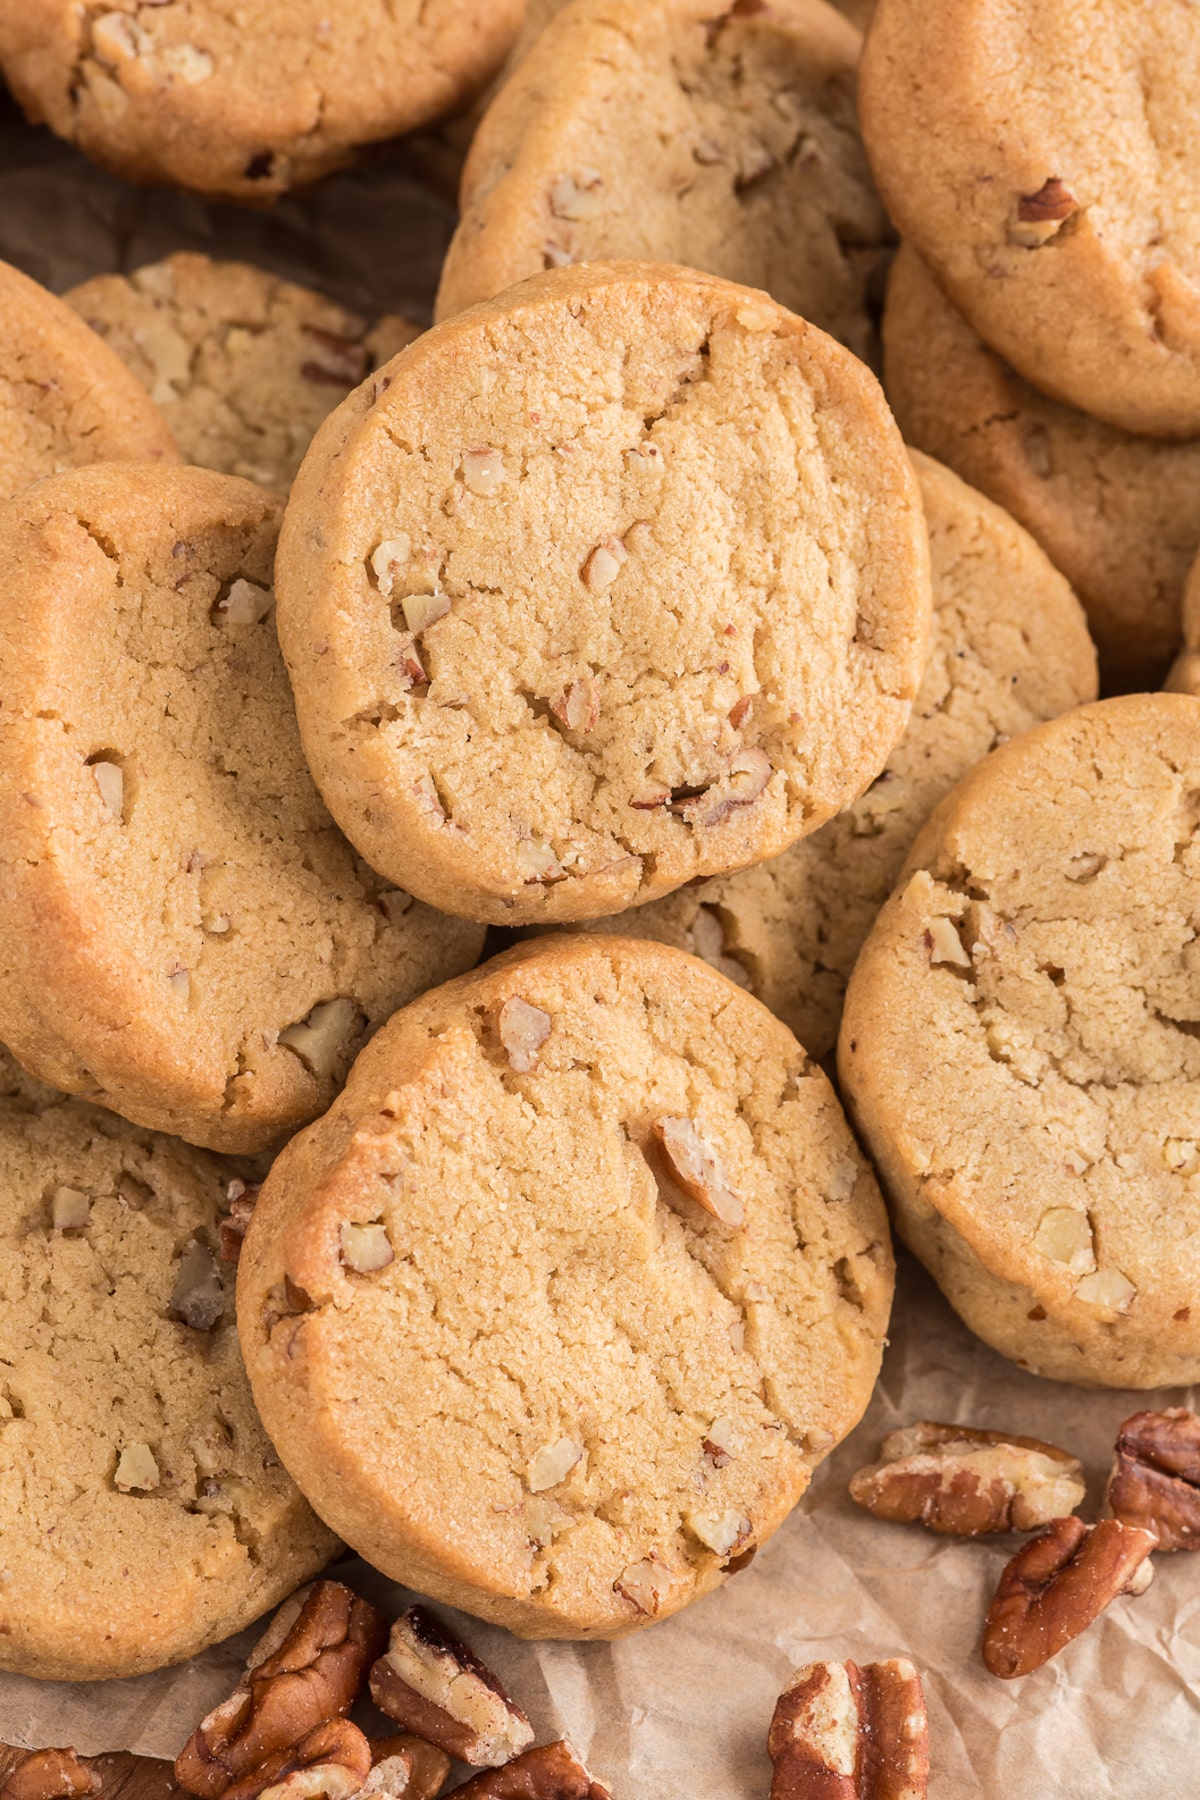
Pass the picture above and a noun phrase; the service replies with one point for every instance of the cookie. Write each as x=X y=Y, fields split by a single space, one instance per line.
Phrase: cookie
x=1021 y=1045
x=727 y=144
x=1184 y=676
x=65 y=398
x=615 y=582
x=1119 y=515
x=250 y=102
x=1010 y=648
x=146 y=1514
x=555 y=1311
x=1041 y=155
x=186 y=937
x=243 y=365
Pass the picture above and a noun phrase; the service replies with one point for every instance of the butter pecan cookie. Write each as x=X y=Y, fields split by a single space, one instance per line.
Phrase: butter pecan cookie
x=145 y=1512
x=1184 y=677
x=617 y=581
x=1118 y=514
x=556 y=1310
x=1010 y=649
x=186 y=936
x=1021 y=1045
x=1041 y=155
x=245 y=102
x=65 y=398
x=243 y=365
x=726 y=141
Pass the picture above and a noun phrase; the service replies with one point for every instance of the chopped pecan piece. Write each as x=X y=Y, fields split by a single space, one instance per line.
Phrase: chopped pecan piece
x=1052 y=203
x=307 y=1670
x=232 y=1230
x=406 y=1766
x=962 y=1482
x=434 y=1685
x=1155 y=1480
x=330 y=1762
x=49 y=1775
x=695 y=1168
x=1056 y=1585
x=551 y=1772
x=841 y=1732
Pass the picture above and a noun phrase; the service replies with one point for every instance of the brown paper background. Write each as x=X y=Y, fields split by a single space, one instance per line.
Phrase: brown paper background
x=681 y=1710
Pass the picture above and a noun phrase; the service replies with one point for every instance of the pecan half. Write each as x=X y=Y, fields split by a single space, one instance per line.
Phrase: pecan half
x=841 y=1732
x=433 y=1684
x=962 y=1482
x=49 y=1775
x=406 y=1766
x=1155 y=1480
x=551 y=1772
x=307 y=1670
x=1056 y=1585
x=329 y=1763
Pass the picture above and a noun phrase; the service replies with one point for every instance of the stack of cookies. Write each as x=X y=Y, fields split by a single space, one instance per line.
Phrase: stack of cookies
x=626 y=613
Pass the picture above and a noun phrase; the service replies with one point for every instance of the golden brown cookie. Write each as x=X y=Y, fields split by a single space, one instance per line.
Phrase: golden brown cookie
x=146 y=1514
x=726 y=142
x=246 y=102
x=243 y=365
x=186 y=936
x=1010 y=648
x=1021 y=1045
x=1118 y=514
x=1041 y=155
x=615 y=582
x=65 y=398
x=556 y=1310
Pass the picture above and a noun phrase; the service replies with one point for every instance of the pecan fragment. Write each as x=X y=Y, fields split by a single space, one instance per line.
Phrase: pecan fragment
x=551 y=1772
x=406 y=1768
x=308 y=1669
x=694 y=1166
x=962 y=1482
x=1056 y=1585
x=232 y=1230
x=331 y=1762
x=434 y=1685
x=1155 y=1479
x=1052 y=203
x=49 y=1775
x=841 y=1732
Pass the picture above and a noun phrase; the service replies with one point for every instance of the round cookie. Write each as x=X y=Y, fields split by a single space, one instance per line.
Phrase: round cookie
x=146 y=1514
x=617 y=581
x=243 y=365
x=661 y=132
x=1010 y=648
x=1184 y=676
x=1021 y=1046
x=1119 y=515
x=1041 y=155
x=246 y=102
x=186 y=936
x=495 y=1325
x=65 y=398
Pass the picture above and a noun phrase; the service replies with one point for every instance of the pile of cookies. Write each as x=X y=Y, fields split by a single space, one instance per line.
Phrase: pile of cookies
x=625 y=613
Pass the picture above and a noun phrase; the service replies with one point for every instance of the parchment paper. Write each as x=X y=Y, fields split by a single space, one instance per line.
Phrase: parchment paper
x=681 y=1710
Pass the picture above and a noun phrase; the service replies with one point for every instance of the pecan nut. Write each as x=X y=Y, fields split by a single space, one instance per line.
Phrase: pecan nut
x=307 y=1670
x=1052 y=203
x=962 y=1482
x=551 y=1772
x=49 y=1775
x=434 y=1685
x=1155 y=1479
x=232 y=1229
x=329 y=1763
x=406 y=1768
x=841 y=1732
x=1056 y=1585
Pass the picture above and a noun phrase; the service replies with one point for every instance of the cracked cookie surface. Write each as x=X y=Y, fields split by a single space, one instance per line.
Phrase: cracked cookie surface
x=675 y=134
x=617 y=581
x=243 y=365
x=1041 y=155
x=246 y=102
x=503 y=1347
x=145 y=1512
x=1021 y=1045
x=1118 y=514
x=189 y=939
x=1009 y=649
x=65 y=398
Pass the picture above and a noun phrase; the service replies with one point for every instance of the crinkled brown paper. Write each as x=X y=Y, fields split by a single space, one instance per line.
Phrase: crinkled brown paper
x=680 y=1712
